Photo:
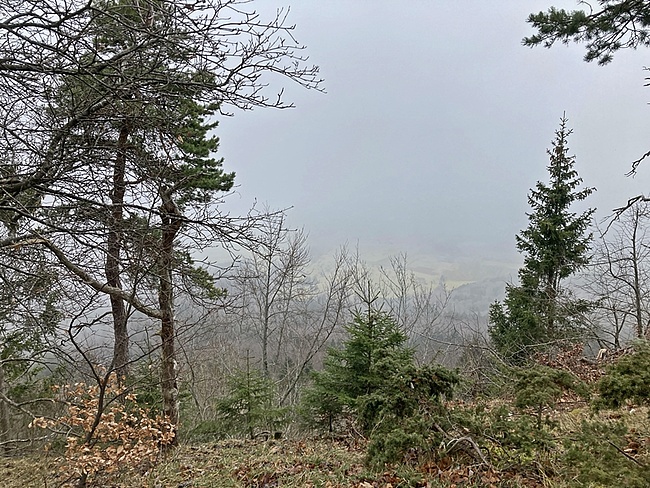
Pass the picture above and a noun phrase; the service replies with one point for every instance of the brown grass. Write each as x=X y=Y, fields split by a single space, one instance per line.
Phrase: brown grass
x=326 y=463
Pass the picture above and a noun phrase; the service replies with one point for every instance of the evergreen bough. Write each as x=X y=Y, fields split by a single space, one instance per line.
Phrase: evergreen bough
x=627 y=379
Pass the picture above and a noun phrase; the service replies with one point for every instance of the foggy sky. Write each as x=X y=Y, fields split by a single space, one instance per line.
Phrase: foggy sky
x=434 y=127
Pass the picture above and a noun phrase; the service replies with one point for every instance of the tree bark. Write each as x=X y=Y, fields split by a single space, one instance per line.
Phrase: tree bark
x=171 y=224
x=637 y=282
x=4 y=415
x=113 y=251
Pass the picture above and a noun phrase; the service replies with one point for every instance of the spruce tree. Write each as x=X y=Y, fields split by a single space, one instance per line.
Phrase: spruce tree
x=374 y=351
x=373 y=379
x=249 y=406
x=555 y=245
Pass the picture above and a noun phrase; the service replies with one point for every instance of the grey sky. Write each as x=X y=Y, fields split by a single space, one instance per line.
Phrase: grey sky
x=434 y=126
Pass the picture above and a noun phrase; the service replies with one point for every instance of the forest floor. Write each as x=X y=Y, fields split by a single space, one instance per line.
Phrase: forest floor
x=265 y=464
x=340 y=462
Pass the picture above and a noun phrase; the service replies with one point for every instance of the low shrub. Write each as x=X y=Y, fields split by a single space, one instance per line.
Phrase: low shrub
x=106 y=430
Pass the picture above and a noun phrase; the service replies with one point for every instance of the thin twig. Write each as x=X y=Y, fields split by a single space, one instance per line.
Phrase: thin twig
x=625 y=454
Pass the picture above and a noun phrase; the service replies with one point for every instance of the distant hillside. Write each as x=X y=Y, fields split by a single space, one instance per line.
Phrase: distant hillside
x=476 y=297
x=474 y=283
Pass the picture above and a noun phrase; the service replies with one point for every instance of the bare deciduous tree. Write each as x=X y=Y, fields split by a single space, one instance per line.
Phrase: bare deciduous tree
x=287 y=313
x=620 y=276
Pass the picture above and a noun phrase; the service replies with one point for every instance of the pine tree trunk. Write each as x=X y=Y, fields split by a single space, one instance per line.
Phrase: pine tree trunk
x=113 y=251
x=171 y=224
x=4 y=415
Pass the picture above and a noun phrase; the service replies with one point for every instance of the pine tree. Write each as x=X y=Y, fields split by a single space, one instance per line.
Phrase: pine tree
x=603 y=28
x=110 y=108
x=152 y=144
x=555 y=245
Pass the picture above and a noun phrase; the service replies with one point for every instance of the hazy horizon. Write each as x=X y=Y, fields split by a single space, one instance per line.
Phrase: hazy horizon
x=434 y=127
